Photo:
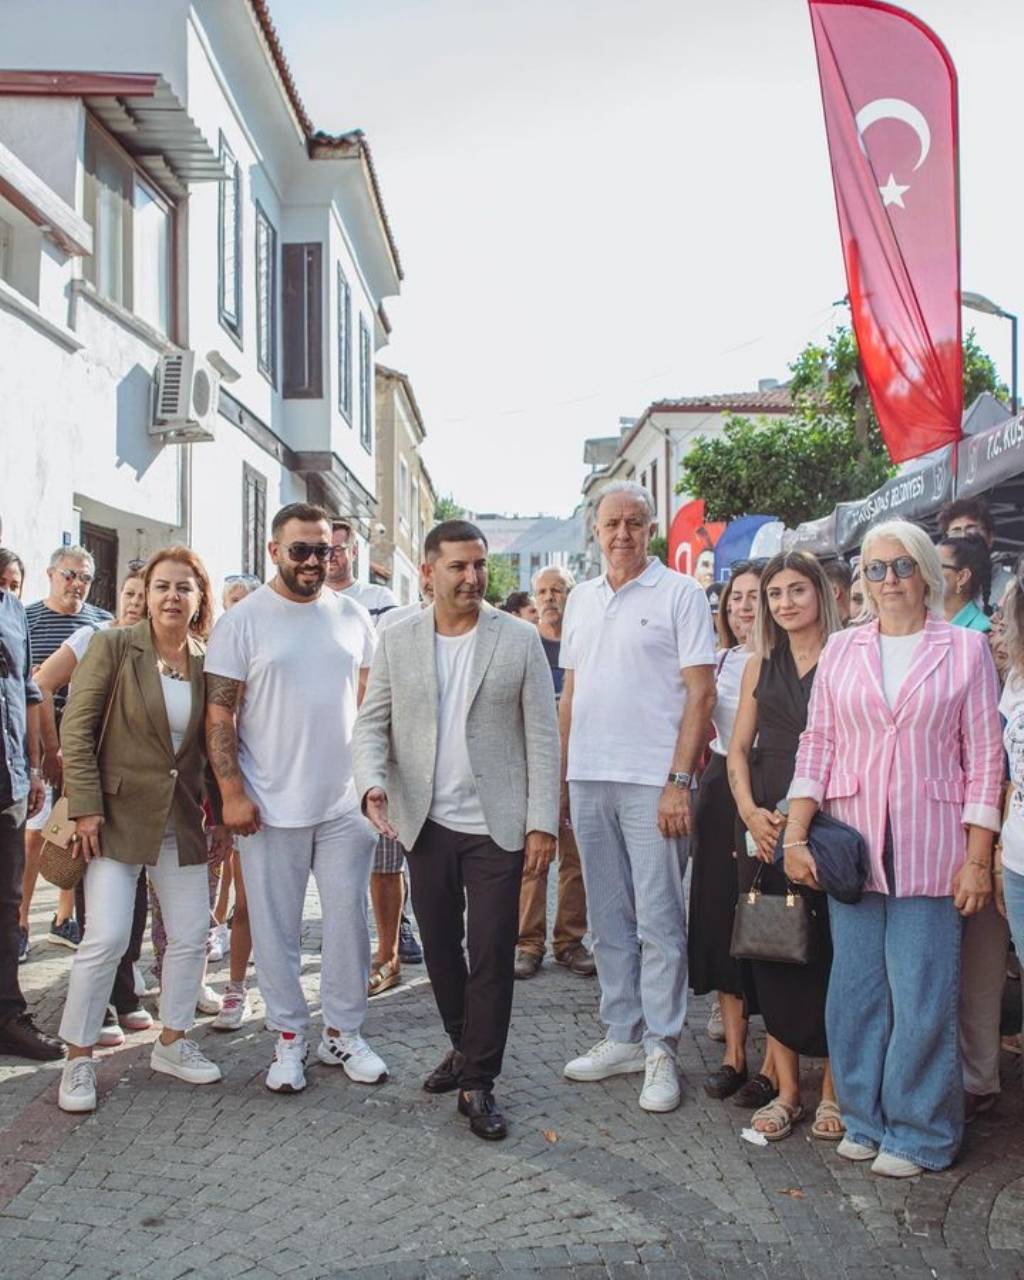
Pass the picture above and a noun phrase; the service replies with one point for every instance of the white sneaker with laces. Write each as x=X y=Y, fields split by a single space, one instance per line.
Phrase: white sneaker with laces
x=606 y=1058
x=77 y=1085
x=234 y=1008
x=890 y=1166
x=184 y=1059
x=851 y=1150
x=661 y=1084
x=220 y=941
x=716 y=1031
x=208 y=1000
x=111 y=1036
x=348 y=1049
x=287 y=1071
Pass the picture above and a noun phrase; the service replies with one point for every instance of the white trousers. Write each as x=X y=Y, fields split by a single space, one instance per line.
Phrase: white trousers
x=109 y=905
x=276 y=863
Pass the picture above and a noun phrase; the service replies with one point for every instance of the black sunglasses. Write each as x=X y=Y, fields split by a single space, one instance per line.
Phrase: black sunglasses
x=747 y=566
x=902 y=566
x=299 y=552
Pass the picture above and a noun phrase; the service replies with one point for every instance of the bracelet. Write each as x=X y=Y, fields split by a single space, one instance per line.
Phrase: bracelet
x=796 y=844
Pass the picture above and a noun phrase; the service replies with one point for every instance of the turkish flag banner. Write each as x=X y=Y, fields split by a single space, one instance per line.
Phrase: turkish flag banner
x=888 y=87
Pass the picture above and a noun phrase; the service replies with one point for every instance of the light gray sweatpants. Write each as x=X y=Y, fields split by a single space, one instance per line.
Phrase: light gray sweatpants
x=983 y=955
x=276 y=863
x=637 y=911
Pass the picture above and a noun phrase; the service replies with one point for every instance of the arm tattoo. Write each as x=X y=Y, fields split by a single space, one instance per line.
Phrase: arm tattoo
x=222 y=691
x=222 y=751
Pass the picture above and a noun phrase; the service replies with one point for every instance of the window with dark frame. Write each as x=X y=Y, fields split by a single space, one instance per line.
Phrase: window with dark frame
x=229 y=243
x=365 y=372
x=344 y=346
x=302 y=321
x=266 y=295
x=654 y=485
x=254 y=521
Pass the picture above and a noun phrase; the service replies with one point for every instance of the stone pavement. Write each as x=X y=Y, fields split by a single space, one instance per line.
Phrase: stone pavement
x=345 y=1180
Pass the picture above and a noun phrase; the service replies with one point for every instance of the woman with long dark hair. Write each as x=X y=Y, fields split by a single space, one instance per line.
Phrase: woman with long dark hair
x=967 y=581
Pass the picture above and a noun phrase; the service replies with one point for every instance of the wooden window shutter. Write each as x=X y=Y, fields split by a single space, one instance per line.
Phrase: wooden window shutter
x=302 y=330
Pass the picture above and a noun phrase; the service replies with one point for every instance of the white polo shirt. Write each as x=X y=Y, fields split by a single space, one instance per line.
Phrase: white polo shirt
x=627 y=649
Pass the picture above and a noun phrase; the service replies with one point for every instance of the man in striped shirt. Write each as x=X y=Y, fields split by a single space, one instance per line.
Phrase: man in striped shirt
x=50 y=623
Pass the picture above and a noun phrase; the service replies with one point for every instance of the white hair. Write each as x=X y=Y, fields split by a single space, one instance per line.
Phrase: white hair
x=920 y=549
x=568 y=581
x=628 y=489
x=72 y=553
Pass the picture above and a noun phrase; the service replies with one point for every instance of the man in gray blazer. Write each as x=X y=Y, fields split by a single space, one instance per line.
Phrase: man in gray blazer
x=456 y=754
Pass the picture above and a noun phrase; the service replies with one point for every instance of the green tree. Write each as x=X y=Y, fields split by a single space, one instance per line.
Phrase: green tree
x=658 y=546
x=502 y=579
x=829 y=450
x=448 y=509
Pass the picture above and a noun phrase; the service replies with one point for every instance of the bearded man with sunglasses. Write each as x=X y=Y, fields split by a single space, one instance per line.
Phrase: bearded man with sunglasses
x=285 y=671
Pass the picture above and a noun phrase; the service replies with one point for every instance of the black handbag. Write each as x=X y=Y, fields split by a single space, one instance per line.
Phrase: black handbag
x=771 y=926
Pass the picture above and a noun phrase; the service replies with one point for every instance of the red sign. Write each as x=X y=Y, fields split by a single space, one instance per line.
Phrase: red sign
x=888 y=87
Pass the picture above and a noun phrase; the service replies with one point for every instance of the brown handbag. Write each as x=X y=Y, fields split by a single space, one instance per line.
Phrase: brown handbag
x=58 y=862
x=772 y=926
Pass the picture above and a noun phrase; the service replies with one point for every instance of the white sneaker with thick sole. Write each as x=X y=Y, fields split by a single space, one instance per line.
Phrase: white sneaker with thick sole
x=220 y=941
x=606 y=1058
x=111 y=1036
x=234 y=1009
x=209 y=1000
x=77 y=1085
x=851 y=1150
x=661 y=1084
x=348 y=1049
x=890 y=1166
x=185 y=1060
x=287 y=1072
x=137 y=1020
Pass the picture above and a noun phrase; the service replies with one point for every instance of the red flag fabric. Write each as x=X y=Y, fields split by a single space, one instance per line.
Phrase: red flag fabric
x=888 y=87
x=689 y=536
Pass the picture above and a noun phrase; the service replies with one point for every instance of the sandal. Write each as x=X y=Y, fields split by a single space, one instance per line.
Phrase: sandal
x=783 y=1115
x=382 y=978
x=827 y=1112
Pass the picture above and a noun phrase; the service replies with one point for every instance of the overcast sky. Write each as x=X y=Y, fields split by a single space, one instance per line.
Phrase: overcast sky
x=600 y=203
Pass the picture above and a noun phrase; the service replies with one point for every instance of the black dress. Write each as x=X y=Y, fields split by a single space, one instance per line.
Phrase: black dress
x=791 y=997
x=713 y=886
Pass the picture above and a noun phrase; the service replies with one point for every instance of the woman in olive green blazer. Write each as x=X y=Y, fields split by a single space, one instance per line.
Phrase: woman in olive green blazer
x=138 y=803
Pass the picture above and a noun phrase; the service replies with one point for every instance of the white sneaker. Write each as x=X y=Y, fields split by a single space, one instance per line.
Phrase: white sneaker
x=137 y=1020
x=220 y=941
x=234 y=1008
x=77 y=1085
x=138 y=980
x=851 y=1150
x=606 y=1058
x=111 y=1036
x=348 y=1049
x=287 y=1074
x=716 y=1031
x=184 y=1059
x=209 y=1000
x=890 y=1166
x=661 y=1084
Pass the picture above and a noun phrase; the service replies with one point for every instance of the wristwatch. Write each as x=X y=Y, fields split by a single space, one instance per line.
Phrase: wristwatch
x=680 y=780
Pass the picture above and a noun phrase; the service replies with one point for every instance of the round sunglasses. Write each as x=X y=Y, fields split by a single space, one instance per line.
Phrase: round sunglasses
x=876 y=570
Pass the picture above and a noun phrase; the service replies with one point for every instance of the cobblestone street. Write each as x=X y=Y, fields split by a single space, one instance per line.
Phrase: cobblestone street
x=343 y=1180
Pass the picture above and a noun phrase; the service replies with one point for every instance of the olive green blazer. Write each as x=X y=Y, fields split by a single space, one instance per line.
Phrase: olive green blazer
x=137 y=782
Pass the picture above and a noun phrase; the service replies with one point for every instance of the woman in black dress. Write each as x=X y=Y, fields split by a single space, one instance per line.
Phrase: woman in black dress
x=796 y=615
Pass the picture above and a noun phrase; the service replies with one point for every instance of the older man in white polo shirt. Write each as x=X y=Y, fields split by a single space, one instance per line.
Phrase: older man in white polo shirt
x=638 y=651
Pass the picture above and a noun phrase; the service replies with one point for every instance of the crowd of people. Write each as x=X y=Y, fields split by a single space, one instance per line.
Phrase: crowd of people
x=620 y=725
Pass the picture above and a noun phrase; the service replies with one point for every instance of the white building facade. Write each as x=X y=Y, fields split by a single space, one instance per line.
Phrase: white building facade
x=163 y=191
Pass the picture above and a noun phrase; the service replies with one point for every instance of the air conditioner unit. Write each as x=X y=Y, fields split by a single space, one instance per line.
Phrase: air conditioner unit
x=185 y=392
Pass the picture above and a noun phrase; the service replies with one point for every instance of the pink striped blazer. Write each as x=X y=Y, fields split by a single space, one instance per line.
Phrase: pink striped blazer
x=934 y=763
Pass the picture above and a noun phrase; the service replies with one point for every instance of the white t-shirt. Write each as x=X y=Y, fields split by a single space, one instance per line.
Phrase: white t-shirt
x=456 y=803
x=178 y=701
x=375 y=599
x=1011 y=706
x=897 y=655
x=397 y=615
x=627 y=649
x=78 y=641
x=727 y=685
x=300 y=664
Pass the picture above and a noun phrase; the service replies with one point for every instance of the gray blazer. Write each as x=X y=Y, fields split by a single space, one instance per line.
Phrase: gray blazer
x=511 y=727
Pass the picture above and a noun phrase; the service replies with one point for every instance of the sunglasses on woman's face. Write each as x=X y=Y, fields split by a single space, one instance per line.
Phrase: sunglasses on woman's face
x=902 y=566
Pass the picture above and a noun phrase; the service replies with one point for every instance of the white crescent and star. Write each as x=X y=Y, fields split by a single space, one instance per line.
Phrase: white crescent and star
x=895 y=109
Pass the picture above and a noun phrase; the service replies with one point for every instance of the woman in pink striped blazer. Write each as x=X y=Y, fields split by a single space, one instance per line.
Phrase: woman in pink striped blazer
x=902 y=742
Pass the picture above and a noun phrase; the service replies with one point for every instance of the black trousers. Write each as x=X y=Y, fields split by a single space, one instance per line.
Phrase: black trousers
x=465 y=886
x=12 y=869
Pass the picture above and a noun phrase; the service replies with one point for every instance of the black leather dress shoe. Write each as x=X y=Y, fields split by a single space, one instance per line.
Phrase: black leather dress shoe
x=724 y=1082
x=20 y=1036
x=445 y=1076
x=485 y=1119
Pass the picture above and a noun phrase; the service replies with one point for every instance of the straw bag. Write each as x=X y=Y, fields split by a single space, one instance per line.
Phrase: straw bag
x=57 y=862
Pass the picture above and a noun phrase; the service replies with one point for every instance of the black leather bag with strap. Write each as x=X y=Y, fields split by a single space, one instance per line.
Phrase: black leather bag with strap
x=772 y=926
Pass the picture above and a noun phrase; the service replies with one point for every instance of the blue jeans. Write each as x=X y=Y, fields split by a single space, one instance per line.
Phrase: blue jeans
x=891 y=1017
x=1013 y=887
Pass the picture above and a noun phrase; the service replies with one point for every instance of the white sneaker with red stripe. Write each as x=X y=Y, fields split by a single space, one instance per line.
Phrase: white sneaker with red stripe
x=287 y=1072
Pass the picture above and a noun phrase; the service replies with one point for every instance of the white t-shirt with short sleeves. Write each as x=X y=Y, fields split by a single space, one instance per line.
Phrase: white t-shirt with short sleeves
x=78 y=641
x=627 y=649
x=300 y=664
x=1011 y=707
x=456 y=802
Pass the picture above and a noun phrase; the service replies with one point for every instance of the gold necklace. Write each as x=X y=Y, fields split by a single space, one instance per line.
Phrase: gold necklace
x=165 y=669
